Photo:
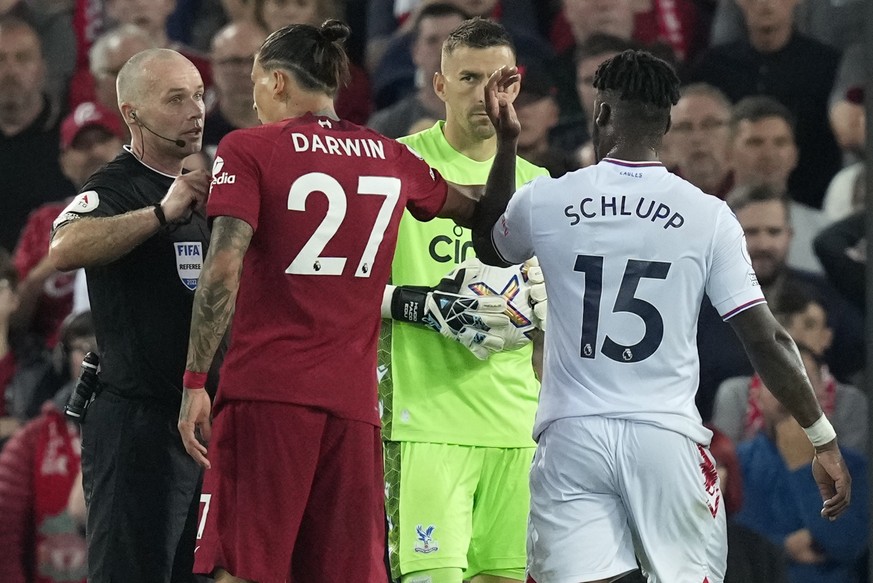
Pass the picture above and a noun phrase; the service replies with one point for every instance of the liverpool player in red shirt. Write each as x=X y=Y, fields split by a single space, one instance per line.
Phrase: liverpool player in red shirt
x=306 y=210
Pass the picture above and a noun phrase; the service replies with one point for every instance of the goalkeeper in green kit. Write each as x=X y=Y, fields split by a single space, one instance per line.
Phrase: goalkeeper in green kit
x=457 y=425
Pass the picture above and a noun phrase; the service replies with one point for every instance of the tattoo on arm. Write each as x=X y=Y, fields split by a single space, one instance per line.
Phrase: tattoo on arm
x=216 y=292
x=185 y=407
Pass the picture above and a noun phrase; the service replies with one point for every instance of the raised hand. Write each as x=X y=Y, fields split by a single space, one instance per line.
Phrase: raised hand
x=187 y=192
x=498 y=102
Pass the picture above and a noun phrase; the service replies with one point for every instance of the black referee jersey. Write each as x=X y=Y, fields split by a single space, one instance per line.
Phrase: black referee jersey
x=142 y=302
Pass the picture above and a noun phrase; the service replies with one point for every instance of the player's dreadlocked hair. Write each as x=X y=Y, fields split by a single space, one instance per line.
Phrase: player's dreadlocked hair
x=641 y=89
x=639 y=76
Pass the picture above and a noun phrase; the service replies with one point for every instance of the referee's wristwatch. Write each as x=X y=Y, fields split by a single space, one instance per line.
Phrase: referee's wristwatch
x=159 y=212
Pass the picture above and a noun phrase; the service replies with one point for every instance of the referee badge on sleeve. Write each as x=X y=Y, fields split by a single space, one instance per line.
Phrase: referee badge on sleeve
x=81 y=204
x=189 y=262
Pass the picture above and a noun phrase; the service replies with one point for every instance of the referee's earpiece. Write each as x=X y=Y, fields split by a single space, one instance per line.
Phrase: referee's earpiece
x=133 y=116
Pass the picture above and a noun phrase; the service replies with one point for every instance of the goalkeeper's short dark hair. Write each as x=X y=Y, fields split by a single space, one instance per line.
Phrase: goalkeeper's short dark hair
x=478 y=33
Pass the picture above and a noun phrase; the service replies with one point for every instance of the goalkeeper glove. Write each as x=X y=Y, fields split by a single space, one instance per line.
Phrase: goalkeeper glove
x=539 y=302
x=475 y=322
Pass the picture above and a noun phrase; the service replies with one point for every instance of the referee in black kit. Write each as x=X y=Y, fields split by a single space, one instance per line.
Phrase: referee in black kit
x=139 y=230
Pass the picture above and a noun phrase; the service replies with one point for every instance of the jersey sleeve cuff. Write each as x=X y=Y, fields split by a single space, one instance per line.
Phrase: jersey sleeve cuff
x=740 y=308
x=503 y=255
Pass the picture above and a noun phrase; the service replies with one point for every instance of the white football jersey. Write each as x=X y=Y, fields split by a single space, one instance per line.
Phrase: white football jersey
x=627 y=251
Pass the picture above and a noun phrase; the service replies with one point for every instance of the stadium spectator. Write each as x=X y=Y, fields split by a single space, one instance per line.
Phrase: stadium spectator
x=764 y=215
x=153 y=16
x=679 y=25
x=53 y=22
x=8 y=361
x=213 y=15
x=763 y=151
x=845 y=194
x=394 y=76
x=842 y=248
x=751 y=558
x=353 y=101
x=39 y=467
x=433 y=23
x=232 y=56
x=387 y=18
x=109 y=53
x=537 y=110
x=736 y=411
x=29 y=131
x=39 y=470
x=700 y=121
x=91 y=136
x=43 y=375
x=846 y=113
x=574 y=130
x=798 y=71
x=833 y=22
x=587 y=18
x=781 y=501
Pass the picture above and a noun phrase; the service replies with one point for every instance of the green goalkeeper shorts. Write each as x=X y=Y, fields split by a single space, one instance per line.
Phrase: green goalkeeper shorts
x=456 y=506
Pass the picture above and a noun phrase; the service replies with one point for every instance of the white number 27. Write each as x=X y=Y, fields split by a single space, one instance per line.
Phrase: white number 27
x=309 y=260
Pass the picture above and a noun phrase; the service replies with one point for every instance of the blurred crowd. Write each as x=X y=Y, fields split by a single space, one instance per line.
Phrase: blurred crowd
x=771 y=120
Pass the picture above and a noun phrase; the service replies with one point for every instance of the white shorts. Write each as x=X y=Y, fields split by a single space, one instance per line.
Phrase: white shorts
x=605 y=492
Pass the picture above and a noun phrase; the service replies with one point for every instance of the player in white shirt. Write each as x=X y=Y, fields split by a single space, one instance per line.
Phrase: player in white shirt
x=622 y=469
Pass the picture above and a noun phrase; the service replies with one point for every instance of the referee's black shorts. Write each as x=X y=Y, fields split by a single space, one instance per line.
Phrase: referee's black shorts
x=142 y=492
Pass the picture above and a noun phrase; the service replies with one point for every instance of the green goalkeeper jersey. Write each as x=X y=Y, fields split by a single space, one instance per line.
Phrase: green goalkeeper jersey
x=432 y=389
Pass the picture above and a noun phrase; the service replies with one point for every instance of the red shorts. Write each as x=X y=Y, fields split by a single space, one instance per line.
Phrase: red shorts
x=294 y=495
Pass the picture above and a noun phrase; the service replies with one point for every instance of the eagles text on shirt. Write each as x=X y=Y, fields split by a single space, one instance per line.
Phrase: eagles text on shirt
x=624 y=206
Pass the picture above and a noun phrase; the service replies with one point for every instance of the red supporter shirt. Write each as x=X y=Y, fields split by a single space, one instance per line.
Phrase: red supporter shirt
x=324 y=198
x=56 y=297
x=38 y=468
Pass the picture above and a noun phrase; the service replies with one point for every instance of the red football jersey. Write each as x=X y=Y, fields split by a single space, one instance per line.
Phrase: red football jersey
x=324 y=198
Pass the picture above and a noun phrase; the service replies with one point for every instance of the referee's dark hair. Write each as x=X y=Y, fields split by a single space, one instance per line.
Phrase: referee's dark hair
x=641 y=89
x=314 y=55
